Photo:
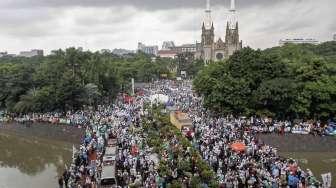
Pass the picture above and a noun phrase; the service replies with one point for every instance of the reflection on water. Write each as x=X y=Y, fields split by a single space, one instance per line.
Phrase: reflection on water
x=30 y=162
x=318 y=162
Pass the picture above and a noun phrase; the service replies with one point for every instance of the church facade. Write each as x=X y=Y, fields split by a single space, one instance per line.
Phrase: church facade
x=210 y=49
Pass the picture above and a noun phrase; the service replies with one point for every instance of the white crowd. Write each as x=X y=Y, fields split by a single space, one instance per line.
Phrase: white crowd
x=259 y=165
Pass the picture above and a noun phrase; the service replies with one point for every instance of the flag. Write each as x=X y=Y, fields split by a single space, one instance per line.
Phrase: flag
x=74 y=150
x=326 y=178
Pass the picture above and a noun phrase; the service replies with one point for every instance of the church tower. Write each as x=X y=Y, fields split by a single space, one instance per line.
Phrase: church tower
x=232 y=32
x=208 y=35
x=210 y=50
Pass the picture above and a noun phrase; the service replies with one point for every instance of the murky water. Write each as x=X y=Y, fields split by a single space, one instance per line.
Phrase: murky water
x=313 y=152
x=30 y=162
x=318 y=162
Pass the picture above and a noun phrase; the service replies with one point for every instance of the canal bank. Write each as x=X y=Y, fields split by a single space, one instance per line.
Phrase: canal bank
x=312 y=152
x=36 y=154
x=55 y=132
x=35 y=162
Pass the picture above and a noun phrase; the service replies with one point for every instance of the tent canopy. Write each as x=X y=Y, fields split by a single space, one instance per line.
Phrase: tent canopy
x=238 y=146
x=160 y=98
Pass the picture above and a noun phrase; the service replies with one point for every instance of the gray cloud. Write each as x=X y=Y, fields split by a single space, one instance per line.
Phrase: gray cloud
x=140 y=4
x=97 y=24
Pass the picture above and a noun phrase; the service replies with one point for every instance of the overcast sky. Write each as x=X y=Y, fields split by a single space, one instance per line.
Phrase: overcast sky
x=108 y=24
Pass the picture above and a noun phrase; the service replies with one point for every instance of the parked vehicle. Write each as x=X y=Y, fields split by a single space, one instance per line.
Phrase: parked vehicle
x=108 y=179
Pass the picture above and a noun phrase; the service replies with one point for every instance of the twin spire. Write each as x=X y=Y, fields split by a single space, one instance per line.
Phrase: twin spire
x=208 y=20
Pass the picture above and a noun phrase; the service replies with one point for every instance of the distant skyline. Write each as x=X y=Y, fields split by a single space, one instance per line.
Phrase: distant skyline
x=109 y=24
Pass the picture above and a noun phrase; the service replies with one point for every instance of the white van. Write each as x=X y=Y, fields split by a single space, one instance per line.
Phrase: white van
x=111 y=151
x=112 y=142
x=108 y=179
x=109 y=160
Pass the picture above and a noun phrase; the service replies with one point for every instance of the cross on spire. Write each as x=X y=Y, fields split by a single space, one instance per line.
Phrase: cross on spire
x=208 y=5
x=233 y=6
x=208 y=19
x=232 y=15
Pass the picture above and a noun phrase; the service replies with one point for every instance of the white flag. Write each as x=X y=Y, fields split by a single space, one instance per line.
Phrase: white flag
x=326 y=178
x=73 y=152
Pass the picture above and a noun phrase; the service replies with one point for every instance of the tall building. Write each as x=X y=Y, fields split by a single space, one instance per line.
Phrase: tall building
x=185 y=48
x=298 y=41
x=3 y=54
x=335 y=37
x=31 y=53
x=6 y=54
x=171 y=51
x=152 y=50
x=168 y=53
x=211 y=50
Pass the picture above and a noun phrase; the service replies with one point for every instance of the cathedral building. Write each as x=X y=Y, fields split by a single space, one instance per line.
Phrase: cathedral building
x=209 y=49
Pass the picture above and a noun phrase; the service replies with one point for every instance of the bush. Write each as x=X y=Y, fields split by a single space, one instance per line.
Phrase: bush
x=195 y=182
x=175 y=184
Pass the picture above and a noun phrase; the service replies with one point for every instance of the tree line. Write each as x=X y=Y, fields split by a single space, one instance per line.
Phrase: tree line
x=70 y=79
x=288 y=82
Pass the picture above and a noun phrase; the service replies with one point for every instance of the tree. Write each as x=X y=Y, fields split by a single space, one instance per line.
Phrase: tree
x=293 y=81
x=69 y=79
x=92 y=93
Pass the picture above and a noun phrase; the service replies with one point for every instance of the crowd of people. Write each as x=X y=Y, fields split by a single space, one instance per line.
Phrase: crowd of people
x=135 y=163
x=184 y=100
x=87 y=161
x=257 y=165
x=259 y=125
x=69 y=118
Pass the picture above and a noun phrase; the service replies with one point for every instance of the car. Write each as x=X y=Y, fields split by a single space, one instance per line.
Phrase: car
x=109 y=160
x=110 y=151
x=108 y=179
x=112 y=142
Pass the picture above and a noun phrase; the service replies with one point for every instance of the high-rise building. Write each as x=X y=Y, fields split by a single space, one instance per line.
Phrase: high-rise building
x=298 y=41
x=31 y=53
x=335 y=37
x=3 y=54
x=152 y=50
x=208 y=49
x=185 y=48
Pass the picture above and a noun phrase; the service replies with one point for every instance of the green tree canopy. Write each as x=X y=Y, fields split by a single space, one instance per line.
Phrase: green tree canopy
x=293 y=81
x=69 y=79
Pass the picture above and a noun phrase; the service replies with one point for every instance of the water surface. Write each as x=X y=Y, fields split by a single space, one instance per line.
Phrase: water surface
x=31 y=162
x=318 y=162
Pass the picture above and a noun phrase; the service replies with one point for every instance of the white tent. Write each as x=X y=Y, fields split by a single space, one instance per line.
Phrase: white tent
x=159 y=98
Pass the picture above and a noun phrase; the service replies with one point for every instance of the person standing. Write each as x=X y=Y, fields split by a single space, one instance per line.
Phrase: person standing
x=60 y=182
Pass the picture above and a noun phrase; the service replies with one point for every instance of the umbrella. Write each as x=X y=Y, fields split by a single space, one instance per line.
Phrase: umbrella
x=238 y=146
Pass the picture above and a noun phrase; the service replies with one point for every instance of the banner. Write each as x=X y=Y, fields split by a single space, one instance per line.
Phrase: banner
x=326 y=178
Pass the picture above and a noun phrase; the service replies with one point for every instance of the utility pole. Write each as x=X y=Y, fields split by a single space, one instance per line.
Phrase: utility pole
x=133 y=87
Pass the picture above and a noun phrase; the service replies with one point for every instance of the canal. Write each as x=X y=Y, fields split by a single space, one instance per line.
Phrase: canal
x=312 y=152
x=32 y=162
